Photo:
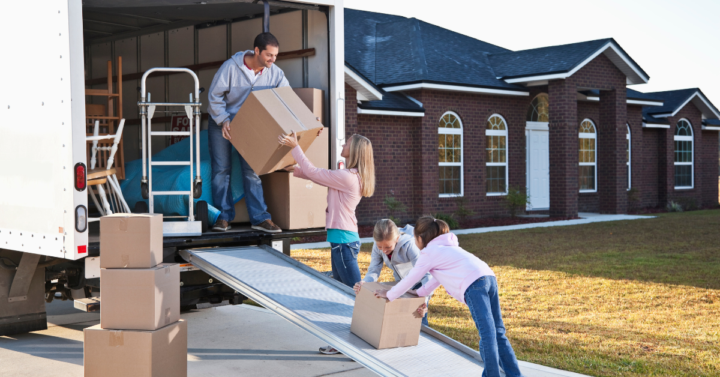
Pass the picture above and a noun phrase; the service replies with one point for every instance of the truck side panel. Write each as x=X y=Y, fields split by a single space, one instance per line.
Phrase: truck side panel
x=42 y=127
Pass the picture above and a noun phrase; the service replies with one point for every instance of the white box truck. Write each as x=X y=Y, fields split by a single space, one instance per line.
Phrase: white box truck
x=56 y=49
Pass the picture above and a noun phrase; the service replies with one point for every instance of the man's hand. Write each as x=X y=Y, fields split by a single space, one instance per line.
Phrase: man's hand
x=421 y=310
x=226 y=130
x=381 y=293
x=289 y=168
x=288 y=140
x=357 y=286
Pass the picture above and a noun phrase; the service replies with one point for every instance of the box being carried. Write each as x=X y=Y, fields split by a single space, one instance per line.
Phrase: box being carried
x=265 y=115
x=122 y=353
x=131 y=240
x=386 y=324
x=140 y=299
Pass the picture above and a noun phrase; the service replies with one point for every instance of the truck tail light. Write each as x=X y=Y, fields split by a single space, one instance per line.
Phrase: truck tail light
x=81 y=218
x=80 y=176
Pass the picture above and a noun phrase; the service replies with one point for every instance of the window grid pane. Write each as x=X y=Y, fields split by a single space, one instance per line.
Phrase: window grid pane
x=495 y=181
x=450 y=180
x=586 y=176
x=683 y=175
x=587 y=150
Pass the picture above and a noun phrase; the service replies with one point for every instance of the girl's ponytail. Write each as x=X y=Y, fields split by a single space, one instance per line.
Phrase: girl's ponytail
x=428 y=228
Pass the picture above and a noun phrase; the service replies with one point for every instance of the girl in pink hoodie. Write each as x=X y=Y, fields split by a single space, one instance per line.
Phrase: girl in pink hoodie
x=467 y=279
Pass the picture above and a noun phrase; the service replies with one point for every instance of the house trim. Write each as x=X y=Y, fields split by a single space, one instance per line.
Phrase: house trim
x=454 y=88
x=390 y=112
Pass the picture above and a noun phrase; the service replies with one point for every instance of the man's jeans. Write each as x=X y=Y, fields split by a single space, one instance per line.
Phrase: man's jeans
x=495 y=349
x=343 y=257
x=221 y=162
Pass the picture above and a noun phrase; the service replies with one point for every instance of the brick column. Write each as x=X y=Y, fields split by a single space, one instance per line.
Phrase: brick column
x=562 y=95
x=666 y=165
x=612 y=155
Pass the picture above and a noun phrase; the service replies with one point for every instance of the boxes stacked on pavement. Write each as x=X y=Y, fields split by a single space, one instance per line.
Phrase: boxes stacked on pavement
x=140 y=331
x=385 y=324
x=294 y=203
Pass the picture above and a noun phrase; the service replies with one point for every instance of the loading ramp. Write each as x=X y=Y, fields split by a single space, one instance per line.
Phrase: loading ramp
x=323 y=307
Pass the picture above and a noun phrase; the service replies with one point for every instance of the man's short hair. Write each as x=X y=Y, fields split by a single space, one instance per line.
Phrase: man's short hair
x=265 y=39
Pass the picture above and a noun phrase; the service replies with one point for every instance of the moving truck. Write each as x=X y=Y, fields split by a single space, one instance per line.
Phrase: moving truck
x=55 y=50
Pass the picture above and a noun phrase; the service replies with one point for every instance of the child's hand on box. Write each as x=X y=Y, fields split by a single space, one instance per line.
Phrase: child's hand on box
x=421 y=310
x=381 y=293
x=357 y=286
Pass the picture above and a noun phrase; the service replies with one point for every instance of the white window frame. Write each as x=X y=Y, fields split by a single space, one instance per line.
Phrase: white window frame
x=692 y=155
x=583 y=135
x=454 y=131
x=628 y=137
x=506 y=164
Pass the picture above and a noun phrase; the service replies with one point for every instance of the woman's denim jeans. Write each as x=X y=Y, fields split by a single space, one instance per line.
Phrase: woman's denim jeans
x=343 y=257
x=495 y=349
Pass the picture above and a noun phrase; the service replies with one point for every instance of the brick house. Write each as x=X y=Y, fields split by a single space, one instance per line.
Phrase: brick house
x=451 y=116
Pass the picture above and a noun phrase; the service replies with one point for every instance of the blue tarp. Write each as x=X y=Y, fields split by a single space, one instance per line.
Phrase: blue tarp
x=177 y=178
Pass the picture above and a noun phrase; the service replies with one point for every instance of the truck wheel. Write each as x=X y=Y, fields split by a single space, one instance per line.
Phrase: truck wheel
x=201 y=210
x=141 y=207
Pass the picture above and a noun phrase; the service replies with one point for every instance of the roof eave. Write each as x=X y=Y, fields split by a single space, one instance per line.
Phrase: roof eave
x=454 y=87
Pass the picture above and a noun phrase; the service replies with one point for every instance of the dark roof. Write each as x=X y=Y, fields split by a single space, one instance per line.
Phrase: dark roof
x=712 y=122
x=634 y=94
x=672 y=99
x=544 y=60
x=649 y=119
x=392 y=50
x=393 y=101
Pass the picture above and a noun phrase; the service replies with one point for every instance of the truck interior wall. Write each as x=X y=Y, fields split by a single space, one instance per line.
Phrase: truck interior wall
x=177 y=47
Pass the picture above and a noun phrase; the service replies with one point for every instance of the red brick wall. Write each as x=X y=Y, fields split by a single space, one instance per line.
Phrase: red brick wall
x=666 y=149
x=707 y=161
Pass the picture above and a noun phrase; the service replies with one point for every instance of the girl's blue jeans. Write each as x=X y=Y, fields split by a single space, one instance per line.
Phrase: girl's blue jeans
x=343 y=257
x=495 y=349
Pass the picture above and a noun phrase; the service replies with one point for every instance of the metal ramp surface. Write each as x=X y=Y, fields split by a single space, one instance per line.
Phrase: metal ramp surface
x=324 y=307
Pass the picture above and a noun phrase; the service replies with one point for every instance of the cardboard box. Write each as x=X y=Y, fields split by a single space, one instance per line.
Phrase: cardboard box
x=313 y=99
x=140 y=299
x=386 y=324
x=241 y=212
x=294 y=203
x=265 y=115
x=122 y=353
x=319 y=151
x=131 y=240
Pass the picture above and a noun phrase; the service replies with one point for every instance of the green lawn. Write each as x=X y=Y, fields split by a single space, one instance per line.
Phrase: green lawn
x=625 y=298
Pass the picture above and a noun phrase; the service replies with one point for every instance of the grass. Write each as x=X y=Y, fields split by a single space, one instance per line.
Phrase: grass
x=627 y=298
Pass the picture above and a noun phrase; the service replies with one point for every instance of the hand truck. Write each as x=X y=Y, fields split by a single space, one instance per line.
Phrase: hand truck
x=193 y=226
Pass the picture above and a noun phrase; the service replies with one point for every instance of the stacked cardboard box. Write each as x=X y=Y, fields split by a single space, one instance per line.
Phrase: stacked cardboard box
x=294 y=203
x=140 y=331
x=385 y=324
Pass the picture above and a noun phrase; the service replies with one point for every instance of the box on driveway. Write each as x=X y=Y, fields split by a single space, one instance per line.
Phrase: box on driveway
x=131 y=240
x=385 y=324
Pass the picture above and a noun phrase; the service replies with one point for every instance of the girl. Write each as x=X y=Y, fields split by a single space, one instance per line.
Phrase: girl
x=396 y=249
x=468 y=280
x=345 y=188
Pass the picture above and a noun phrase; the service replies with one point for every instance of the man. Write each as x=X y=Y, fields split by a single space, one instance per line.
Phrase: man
x=246 y=71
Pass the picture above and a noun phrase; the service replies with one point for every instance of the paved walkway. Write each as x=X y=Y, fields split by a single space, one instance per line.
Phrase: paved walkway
x=585 y=218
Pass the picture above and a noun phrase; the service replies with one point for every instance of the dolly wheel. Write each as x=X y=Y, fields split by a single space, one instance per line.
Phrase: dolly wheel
x=141 y=207
x=201 y=214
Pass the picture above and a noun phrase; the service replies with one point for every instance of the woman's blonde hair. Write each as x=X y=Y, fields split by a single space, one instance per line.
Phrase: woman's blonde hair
x=385 y=230
x=361 y=158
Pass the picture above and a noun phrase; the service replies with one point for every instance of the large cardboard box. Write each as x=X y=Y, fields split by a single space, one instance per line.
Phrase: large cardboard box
x=123 y=353
x=140 y=299
x=265 y=115
x=386 y=324
x=131 y=240
x=313 y=99
x=294 y=203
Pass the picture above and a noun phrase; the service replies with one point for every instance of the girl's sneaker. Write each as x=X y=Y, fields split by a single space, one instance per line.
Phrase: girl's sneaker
x=329 y=350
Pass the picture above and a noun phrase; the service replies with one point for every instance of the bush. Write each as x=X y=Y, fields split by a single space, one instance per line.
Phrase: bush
x=462 y=212
x=688 y=204
x=516 y=200
x=674 y=207
x=394 y=206
x=449 y=219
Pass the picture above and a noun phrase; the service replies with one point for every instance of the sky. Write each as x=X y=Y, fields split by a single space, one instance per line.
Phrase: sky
x=676 y=42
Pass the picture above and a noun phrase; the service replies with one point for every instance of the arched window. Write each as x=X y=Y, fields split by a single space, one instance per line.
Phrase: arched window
x=496 y=155
x=628 y=136
x=539 y=110
x=684 y=178
x=450 y=149
x=587 y=174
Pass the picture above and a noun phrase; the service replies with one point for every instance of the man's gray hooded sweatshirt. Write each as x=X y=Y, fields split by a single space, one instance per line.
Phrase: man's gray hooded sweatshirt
x=403 y=259
x=231 y=86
